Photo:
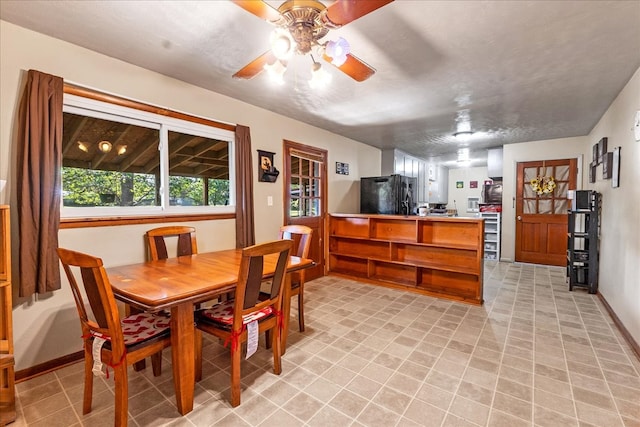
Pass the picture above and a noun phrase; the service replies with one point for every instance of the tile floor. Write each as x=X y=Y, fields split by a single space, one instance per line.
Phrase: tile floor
x=534 y=354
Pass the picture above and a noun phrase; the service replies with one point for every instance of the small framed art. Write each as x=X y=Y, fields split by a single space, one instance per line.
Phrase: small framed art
x=615 y=168
x=459 y=184
x=473 y=184
x=595 y=157
x=607 y=165
x=342 y=168
x=602 y=149
x=592 y=171
x=266 y=171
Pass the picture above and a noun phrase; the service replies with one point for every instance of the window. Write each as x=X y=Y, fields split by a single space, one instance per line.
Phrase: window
x=304 y=187
x=121 y=161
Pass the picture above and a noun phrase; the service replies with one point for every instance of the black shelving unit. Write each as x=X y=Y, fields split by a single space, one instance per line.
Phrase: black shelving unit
x=583 y=241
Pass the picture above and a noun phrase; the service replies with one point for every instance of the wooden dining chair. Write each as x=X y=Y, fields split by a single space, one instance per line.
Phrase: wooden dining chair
x=187 y=244
x=228 y=320
x=127 y=340
x=302 y=235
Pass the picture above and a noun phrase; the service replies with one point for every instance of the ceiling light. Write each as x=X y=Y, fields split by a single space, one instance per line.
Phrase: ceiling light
x=122 y=149
x=463 y=154
x=83 y=147
x=338 y=51
x=282 y=44
x=463 y=136
x=276 y=71
x=319 y=77
x=104 y=146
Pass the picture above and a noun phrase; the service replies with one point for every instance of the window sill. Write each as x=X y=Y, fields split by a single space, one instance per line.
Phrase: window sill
x=66 y=223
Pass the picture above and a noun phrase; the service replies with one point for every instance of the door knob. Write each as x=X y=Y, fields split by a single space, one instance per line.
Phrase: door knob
x=519 y=218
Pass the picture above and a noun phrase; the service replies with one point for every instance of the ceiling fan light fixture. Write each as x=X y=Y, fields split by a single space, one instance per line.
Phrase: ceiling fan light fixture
x=338 y=51
x=276 y=71
x=282 y=44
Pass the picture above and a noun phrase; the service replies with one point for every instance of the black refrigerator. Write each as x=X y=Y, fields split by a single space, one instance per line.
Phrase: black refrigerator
x=392 y=194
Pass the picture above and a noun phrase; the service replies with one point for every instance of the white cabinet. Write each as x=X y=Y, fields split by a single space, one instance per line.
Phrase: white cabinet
x=491 y=235
x=439 y=185
x=432 y=179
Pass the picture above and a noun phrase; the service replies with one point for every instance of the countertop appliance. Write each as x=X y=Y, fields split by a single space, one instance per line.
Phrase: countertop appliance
x=392 y=195
x=492 y=194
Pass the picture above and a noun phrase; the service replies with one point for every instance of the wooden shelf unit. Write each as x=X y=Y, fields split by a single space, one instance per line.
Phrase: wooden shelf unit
x=7 y=362
x=437 y=256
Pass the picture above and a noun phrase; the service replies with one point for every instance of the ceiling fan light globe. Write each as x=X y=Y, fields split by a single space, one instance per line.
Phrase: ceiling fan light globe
x=276 y=71
x=338 y=51
x=319 y=77
x=282 y=44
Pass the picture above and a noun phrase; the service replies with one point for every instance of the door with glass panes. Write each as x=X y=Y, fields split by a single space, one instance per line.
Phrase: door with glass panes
x=541 y=210
x=305 y=196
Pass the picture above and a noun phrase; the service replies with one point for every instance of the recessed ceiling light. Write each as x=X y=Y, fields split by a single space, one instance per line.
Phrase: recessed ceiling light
x=104 y=146
x=463 y=136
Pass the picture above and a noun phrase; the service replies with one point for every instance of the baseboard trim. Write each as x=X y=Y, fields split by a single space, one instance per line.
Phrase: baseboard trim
x=625 y=333
x=48 y=366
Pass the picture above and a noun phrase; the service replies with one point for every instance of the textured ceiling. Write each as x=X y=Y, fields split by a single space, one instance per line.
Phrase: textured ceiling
x=513 y=71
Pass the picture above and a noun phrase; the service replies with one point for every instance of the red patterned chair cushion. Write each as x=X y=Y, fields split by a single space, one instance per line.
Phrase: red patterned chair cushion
x=142 y=326
x=222 y=313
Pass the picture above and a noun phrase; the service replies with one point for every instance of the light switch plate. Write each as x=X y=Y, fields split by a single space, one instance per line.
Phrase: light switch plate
x=269 y=200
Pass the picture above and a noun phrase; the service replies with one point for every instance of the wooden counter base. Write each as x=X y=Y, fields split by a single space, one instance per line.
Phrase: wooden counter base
x=435 y=256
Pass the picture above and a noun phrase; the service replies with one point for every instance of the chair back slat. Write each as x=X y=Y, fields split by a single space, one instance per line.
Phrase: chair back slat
x=254 y=280
x=93 y=291
x=160 y=246
x=186 y=245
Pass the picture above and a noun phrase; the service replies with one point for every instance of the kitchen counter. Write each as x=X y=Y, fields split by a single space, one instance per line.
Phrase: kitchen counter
x=433 y=255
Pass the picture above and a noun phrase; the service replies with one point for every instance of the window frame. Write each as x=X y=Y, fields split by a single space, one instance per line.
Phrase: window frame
x=164 y=122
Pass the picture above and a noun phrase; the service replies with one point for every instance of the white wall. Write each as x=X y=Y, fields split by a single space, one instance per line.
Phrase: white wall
x=619 y=278
x=47 y=327
x=460 y=195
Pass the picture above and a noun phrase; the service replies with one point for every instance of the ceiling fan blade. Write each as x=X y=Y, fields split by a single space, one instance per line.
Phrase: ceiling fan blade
x=256 y=66
x=259 y=8
x=344 y=11
x=354 y=68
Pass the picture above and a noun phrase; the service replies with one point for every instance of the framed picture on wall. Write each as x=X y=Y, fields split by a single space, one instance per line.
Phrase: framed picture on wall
x=592 y=171
x=615 y=168
x=602 y=149
x=459 y=184
x=607 y=166
x=473 y=184
x=595 y=157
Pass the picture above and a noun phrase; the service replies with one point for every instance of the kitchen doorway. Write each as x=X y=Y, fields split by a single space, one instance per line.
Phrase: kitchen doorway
x=305 y=196
x=541 y=219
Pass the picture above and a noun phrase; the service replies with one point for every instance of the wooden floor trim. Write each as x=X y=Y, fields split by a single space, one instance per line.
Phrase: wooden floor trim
x=625 y=333
x=48 y=366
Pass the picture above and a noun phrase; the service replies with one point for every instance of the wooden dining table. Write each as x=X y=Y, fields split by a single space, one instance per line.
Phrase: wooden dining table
x=176 y=284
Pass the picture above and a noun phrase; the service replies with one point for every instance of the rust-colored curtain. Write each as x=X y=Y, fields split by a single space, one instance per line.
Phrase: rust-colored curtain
x=245 y=227
x=38 y=183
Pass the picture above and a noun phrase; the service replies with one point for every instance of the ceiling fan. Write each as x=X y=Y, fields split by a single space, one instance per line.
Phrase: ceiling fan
x=300 y=26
